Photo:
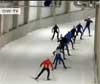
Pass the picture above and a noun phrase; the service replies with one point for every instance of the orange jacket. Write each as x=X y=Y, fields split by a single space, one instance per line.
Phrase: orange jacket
x=47 y=64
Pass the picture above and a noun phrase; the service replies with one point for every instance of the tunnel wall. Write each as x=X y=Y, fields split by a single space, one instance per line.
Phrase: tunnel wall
x=21 y=16
x=64 y=18
x=97 y=44
x=32 y=14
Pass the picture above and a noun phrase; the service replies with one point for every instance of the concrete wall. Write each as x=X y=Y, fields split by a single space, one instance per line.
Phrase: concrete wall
x=23 y=30
x=8 y=21
x=45 y=11
x=97 y=42
x=73 y=8
x=32 y=11
x=21 y=16
x=61 y=9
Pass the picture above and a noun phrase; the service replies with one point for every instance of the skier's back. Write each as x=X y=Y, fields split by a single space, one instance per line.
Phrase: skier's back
x=79 y=27
x=88 y=21
x=47 y=64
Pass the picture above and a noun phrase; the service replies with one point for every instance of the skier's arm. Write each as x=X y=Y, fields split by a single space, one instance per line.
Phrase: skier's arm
x=54 y=60
x=91 y=21
x=51 y=65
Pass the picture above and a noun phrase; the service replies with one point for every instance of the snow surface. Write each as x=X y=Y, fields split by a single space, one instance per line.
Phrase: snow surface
x=20 y=59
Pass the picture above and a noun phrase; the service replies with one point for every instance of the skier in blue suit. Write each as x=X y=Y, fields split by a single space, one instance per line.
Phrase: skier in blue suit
x=58 y=58
x=68 y=36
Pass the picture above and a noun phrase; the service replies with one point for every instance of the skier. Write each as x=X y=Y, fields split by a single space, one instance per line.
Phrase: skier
x=68 y=36
x=47 y=64
x=73 y=31
x=58 y=58
x=47 y=3
x=88 y=22
x=64 y=43
x=55 y=29
x=79 y=28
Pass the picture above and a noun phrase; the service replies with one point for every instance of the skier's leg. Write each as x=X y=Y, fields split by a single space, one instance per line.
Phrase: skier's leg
x=63 y=63
x=53 y=35
x=57 y=36
x=48 y=71
x=74 y=39
x=84 y=29
x=77 y=33
x=59 y=62
x=81 y=35
x=89 y=30
x=72 y=44
x=40 y=73
x=63 y=53
x=67 y=49
x=56 y=64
